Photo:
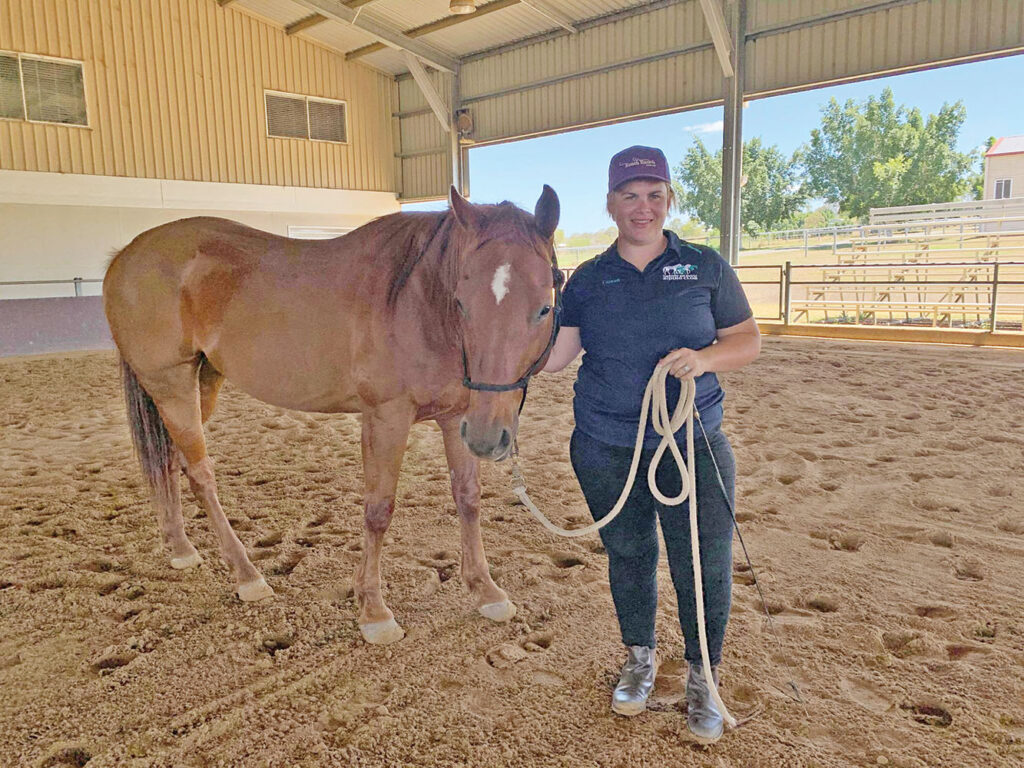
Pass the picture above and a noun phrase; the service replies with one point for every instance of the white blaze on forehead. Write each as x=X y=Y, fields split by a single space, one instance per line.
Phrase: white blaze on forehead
x=499 y=285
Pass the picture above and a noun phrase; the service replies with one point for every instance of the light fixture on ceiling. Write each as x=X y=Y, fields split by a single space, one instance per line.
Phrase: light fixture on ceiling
x=462 y=6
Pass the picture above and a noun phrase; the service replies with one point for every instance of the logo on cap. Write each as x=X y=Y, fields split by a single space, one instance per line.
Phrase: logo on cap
x=637 y=163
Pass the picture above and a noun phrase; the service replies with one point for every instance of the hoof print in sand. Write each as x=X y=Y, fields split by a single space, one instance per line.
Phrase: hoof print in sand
x=270 y=540
x=846 y=542
x=538 y=641
x=111 y=660
x=823 y=603
x=969 y=569
x=935 y=611
x=929 y=714
x=566 y=560
x=65 y=755
x=277 y=642
x=504 y=656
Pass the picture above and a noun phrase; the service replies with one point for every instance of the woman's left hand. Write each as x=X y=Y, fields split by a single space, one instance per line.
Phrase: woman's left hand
x=684 y=363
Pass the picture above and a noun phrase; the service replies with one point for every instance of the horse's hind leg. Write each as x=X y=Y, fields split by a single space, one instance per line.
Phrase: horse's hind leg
x=385 y=433
x=174 y=392
x=491 y=601
x=172 y=523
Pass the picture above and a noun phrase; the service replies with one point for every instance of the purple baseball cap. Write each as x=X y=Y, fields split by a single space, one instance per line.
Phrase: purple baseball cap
x=637 y=163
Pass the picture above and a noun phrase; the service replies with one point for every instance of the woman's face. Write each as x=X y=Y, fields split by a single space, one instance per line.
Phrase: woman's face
x=639 y=210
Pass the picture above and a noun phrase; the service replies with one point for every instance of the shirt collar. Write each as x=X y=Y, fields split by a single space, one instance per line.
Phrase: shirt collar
x=673 y=250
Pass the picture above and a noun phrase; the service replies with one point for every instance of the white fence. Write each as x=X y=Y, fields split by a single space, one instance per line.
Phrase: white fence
x=943 y=212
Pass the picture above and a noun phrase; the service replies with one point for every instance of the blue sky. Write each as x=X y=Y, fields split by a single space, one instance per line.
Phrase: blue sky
x=576 y=163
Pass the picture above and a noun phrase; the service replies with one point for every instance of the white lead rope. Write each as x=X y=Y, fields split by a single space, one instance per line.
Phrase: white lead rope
x=667 y=428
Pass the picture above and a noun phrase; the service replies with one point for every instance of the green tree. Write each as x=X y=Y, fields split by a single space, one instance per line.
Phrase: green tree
x=876 y=154
x=771 y=195
x=978 y=177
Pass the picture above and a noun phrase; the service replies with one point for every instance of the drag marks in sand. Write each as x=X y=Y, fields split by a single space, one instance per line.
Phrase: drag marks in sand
x=877 y=494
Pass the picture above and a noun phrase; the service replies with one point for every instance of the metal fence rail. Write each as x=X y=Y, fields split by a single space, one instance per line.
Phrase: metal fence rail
x=77 y=284
x=951 y=294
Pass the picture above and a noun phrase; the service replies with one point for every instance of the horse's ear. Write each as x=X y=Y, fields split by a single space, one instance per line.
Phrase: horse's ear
x=547 y=212
x=465 y=214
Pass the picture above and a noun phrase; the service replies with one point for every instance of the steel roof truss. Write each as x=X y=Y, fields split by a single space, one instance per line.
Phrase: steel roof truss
x=544 y=9
x=333 y=9
x=715 y=18
x=419 y=74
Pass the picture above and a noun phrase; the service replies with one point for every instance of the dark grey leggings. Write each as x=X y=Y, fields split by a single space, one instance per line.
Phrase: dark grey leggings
x=631 y=540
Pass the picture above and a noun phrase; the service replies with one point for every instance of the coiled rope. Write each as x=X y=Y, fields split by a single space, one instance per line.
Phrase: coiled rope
x=666 y=427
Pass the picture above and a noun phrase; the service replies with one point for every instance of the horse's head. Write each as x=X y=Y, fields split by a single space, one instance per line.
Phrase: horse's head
x=507 y=295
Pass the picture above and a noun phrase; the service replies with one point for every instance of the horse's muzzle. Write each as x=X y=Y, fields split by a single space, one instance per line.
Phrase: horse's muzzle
x=492 y=442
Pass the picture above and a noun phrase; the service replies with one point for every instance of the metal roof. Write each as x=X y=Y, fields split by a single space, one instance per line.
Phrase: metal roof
x=520 y=68
x=496 y=23
x=1008 y=145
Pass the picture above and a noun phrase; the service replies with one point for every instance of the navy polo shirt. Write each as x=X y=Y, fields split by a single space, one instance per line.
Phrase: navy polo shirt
x=629 y=320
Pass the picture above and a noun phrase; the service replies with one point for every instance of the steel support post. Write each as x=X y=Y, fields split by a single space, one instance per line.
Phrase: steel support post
x=732 y=136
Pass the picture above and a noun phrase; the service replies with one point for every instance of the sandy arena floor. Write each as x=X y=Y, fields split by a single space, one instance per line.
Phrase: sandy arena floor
x=880 y=494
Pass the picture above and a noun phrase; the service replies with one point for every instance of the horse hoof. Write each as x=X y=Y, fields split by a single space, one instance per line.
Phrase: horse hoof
x=382 y=632
x=502 y=611
x=254 y=590
x=186 y=562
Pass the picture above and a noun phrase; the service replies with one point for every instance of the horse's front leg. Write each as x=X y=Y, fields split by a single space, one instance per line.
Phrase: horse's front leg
x=491 y=600
x=385 y=432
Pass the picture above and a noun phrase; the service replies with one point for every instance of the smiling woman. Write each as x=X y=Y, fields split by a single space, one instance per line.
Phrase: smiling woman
x=652 y=299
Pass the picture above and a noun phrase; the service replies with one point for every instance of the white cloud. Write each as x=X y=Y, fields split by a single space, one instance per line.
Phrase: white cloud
x=717 y=125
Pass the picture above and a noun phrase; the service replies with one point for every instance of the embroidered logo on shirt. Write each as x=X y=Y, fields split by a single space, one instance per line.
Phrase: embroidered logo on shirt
x=612 y=282
x=679 y=272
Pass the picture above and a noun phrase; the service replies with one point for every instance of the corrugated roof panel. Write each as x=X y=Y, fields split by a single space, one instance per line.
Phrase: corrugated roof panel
x=341 y=37
x=763 y=14
x=387 y=60
x=505 y=26
x=666 y=29
x=581 y=10
x=281 y=12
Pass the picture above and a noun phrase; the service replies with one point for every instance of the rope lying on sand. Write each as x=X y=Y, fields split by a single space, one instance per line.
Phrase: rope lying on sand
x=666 y=427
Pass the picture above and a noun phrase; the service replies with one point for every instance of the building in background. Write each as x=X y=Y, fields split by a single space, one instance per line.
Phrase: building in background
x=1004 y=169
x=116 y=117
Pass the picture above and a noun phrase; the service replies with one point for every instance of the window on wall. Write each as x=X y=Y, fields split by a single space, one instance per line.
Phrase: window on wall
x=1003 y=188
x=41 y=89
x=291 y=116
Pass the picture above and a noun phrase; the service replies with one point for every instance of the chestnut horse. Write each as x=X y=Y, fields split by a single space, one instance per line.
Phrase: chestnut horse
x=413 y=316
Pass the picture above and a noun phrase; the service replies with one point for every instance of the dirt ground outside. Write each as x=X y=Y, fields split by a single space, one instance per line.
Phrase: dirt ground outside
x=880 y=494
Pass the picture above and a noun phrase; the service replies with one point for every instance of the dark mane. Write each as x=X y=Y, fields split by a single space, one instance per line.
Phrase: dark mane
x=407 y=240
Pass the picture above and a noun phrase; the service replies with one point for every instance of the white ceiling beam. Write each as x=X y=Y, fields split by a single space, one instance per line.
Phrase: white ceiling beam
x=715 y=18
x=545 y=10
x=419 y=74
x=333 y=9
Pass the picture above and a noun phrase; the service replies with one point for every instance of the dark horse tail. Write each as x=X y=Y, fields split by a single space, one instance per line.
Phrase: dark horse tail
x=152 y=442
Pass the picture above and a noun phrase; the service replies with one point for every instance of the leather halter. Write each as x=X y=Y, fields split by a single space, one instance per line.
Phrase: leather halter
x=558 y=278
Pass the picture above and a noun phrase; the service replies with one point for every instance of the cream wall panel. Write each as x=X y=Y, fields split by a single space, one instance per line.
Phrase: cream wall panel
x=426 y=177
x=175 y=91
x=59 y=226
x=1004 y=167
x=424 y=146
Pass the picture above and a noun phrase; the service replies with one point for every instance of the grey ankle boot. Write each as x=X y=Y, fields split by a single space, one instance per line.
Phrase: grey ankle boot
x=636 y=682
x=702 y=715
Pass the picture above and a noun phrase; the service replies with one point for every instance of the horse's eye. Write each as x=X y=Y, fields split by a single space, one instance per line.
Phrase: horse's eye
x=544 y=310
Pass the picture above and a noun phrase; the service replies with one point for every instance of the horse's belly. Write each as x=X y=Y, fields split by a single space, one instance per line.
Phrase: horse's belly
x=301 y=374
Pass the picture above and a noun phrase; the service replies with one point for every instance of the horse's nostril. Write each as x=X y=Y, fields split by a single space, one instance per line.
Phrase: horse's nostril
x=462 y=429
x=506 y=438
